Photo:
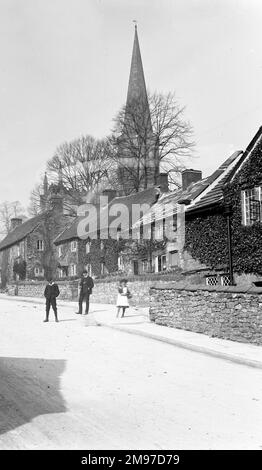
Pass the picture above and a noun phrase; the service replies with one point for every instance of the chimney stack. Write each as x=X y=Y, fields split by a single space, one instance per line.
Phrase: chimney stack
x=110 y=194
x=190 y=176
x=162 y=181
x=15 y=221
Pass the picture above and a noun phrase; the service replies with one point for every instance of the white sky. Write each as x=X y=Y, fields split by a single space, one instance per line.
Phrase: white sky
x=64 y=68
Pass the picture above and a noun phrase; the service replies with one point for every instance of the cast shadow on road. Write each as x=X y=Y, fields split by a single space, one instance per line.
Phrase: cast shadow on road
x=29 y=388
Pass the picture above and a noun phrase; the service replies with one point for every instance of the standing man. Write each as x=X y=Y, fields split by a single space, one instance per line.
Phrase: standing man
x=86 y=286
x=51 y=293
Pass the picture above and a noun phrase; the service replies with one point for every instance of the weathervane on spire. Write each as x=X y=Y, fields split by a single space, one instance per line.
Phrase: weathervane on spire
x=135 y=21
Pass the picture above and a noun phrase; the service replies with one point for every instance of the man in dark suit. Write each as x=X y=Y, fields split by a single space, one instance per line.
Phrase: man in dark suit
x=86 y=286
x=51 y=293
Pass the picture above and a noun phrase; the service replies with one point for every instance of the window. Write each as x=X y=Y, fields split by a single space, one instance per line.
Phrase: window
x=39 y=271
x=158 y=232
x=225 y=280
x=40 y=245
x=212 y=280
x=251 y=205
x=60 y=251
x=74 y=245
x=163 y=263
x=216 y=280
x=160 y=263
x=145 y=265
x=102 y=268
x=60 y=273
x=120 y=262
x=72 y=270
x=147 y=232
x=170 y=227
x=88 y=246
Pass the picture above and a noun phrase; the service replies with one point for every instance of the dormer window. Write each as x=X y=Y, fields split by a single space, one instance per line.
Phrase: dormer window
x=251 y=206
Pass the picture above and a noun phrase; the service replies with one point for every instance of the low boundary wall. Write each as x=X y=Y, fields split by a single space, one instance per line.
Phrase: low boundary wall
x=105 y=290
x=233 y=312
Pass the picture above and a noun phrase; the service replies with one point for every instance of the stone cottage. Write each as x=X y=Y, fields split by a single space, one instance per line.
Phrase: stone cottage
x=28 y=252
x=228 y=199
x=96 y=240
x=196 y=198
x=237 y=201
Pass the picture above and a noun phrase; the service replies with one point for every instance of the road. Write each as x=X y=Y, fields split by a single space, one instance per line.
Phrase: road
x=67 y=386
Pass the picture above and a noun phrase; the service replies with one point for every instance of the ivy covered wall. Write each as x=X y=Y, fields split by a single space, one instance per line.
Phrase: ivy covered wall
x=206 y=234
x=246 y=240
x=206 y=239
x=102 y=252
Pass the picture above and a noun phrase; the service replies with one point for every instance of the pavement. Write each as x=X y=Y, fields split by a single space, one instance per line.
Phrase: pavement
x=136 y=322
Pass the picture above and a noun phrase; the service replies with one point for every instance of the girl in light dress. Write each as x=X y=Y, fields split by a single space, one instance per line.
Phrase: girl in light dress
x=122 y=298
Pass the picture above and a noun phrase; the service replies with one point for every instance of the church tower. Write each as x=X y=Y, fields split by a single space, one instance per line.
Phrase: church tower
x=138 y=165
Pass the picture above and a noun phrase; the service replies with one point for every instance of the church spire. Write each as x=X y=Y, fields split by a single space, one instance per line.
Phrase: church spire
x=45 y=185
x=137 y=84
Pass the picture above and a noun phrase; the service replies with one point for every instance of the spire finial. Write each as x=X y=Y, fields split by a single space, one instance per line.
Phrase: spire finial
x=45 y=184
x=135 y=22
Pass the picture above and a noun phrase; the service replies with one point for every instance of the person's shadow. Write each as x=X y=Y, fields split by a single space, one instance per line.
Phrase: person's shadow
x=29 y=388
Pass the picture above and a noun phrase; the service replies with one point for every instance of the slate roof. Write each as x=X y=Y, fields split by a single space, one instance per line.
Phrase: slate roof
x=215 y=184
x=69 y=232
x=204 y=193
x=104 y=219
x=21 y=231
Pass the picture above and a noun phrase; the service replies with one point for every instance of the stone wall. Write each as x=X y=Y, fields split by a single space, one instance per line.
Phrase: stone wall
x=105 y=290
x=68 y=290
x=232 y=312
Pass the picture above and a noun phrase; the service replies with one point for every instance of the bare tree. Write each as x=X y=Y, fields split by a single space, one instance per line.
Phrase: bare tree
x=81 y=166
x=34 y=207
x=148 y=133
x=9 y=210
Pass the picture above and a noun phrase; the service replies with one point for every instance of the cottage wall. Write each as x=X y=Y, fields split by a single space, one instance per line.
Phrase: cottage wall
x=68 y=257
x=206 y=232
x=33 y=256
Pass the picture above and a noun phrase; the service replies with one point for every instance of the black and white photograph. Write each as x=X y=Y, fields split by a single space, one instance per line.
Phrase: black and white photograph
x=130 y=228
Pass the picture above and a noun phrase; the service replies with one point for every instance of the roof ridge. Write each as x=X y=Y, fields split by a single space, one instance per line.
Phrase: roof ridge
x=219 y=177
